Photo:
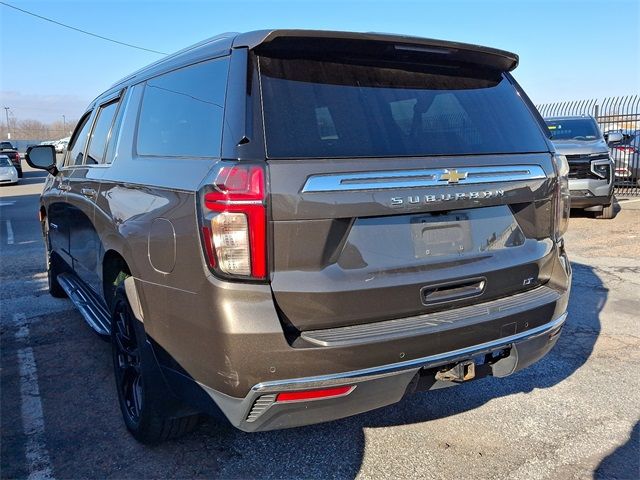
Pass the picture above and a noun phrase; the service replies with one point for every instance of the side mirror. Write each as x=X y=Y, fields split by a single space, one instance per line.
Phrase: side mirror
x=42 y=157
x=614 y=137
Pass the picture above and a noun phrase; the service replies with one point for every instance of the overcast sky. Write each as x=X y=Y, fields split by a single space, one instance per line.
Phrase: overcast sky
x=568 y=49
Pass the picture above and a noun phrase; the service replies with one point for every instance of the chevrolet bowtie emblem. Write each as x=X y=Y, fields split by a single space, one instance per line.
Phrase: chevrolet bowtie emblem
x=453 y=176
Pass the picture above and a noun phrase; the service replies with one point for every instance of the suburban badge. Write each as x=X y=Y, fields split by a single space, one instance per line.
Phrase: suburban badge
x=444 y=197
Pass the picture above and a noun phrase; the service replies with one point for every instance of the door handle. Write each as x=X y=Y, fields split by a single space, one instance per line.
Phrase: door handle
x=450 y=291
x=88 y=192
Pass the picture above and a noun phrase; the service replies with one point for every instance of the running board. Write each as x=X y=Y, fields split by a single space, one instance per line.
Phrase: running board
x=90 y=307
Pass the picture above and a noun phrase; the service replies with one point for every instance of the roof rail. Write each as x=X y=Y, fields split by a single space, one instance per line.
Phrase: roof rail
x=217 y=38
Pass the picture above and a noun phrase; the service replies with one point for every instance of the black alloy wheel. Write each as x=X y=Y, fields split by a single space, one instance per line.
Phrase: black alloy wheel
x=150 y=411
x=126 y=361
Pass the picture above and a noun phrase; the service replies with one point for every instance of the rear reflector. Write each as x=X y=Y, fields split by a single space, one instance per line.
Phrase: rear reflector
x=206 y=235
x=314 y=394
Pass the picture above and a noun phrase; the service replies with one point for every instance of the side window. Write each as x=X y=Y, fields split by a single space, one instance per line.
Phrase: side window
x=79 y=140
x=114 y=135
x=182 y=111
x=98 y=139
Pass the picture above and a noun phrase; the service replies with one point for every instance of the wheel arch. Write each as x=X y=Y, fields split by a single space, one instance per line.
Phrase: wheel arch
x=42 y=216
x=113 y=265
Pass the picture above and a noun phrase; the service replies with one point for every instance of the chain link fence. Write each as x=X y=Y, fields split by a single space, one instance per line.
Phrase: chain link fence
x=613 y=114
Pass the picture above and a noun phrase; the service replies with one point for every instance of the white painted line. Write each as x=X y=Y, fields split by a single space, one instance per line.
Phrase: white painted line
x=5 y=203
x=9 y=232
x=36 y=452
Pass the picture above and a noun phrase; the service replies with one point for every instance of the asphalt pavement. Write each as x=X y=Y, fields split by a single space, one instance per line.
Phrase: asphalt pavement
x=575 y=414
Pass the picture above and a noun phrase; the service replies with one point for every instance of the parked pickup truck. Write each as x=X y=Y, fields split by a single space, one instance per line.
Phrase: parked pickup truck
x=591 y=168
x=6 y=148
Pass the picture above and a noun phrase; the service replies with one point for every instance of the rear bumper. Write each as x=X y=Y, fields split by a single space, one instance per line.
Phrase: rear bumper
x=237 y=352
x=374 y=387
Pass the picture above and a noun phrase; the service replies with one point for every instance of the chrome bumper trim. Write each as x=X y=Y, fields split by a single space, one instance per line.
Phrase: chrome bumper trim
x=432 y=360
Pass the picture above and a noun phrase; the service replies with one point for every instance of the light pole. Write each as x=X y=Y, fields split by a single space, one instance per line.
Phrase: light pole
x=6 y=111
x=64 y=124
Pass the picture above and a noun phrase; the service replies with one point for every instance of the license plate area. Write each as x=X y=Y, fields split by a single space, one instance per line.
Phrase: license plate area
x=390 y=243
x=438 y=235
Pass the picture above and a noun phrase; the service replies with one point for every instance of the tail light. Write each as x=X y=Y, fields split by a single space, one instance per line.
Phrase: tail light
x=17 y=156
x=234 y=229
x=563 y=196
x=625 y=149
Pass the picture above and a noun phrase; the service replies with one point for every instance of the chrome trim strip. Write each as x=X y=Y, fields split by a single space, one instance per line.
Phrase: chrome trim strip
x=383 y=180
x=431 y=360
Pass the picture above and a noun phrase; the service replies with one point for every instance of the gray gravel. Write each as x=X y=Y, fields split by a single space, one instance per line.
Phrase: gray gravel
x=575 y=414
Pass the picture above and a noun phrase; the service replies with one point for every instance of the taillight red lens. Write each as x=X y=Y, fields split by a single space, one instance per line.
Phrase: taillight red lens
x=625 y=149
x=208 y=246
x=238 y=232
x=235 y=184
x=563 y=196
x=314 y=394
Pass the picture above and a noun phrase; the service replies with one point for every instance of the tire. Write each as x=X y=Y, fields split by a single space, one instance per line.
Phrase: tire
x=19 y=172
x=148 y=407
x=53 y=267
x=608 y=212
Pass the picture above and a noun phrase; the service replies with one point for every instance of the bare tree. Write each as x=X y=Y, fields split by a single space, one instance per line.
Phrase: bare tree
x=30 y=129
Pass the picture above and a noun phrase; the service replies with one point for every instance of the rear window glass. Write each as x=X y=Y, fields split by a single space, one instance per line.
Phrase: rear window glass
x=5 y=162
x=323 y=109
x=573 y=129
x=182 y=111
x=98 y=138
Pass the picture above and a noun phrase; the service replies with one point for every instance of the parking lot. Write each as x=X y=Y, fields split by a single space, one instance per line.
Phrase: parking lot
x=574 y=414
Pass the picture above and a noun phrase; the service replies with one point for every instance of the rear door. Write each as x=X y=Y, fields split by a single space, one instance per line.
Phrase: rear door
x=84 y=185
x=401 y=189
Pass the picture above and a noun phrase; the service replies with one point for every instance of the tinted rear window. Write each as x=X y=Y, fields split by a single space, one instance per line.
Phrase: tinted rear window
x=323 y=109
x=182 y=111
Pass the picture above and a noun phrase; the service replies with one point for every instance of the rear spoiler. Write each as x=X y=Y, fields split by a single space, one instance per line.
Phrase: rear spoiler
x=321 y=42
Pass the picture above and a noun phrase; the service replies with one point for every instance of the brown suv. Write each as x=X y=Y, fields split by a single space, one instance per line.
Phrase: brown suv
x=289 y=227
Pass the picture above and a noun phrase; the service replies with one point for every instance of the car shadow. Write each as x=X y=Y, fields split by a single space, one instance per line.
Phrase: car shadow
x=624 y=461
x=336 y=449
x=33 y=177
